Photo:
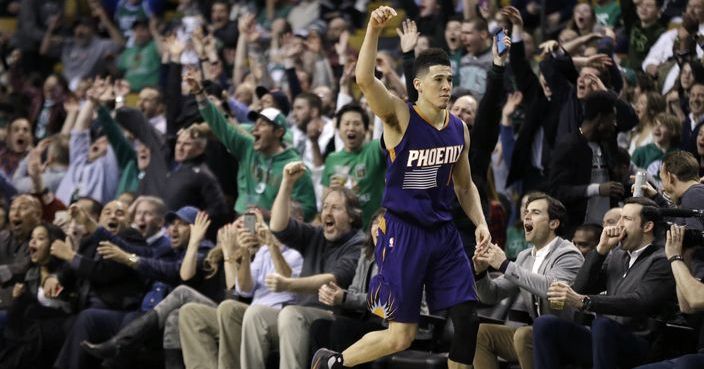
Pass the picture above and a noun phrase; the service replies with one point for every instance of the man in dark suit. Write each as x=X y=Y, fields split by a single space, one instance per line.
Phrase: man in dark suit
x=584 y=171
x=639 y=287
x=96 y=282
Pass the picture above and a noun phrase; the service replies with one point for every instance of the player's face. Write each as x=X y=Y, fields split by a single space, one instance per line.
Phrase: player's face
x=536 y=222
x=352 y=130
x=436 y=85
x=336 y=221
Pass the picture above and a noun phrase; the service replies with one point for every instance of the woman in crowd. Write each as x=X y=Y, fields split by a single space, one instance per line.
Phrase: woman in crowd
x=37 y=318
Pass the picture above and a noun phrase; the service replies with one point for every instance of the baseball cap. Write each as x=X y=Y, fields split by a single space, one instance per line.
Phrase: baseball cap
x=272 y=115
x=279 y=96
x=186 y=213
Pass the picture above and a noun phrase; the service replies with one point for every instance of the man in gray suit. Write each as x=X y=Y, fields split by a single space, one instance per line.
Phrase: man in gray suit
x=526 y=281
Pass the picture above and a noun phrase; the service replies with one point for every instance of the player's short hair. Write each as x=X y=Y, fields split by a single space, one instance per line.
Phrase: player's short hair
x=428 y=58
x=352 y=108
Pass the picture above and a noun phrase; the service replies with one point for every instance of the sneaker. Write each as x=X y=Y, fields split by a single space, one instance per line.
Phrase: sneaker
x=326 y=359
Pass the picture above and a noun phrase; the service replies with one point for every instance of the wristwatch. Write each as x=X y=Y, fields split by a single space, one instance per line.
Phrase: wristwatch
x=586 y=303
x=675 y=258
x=133 y=259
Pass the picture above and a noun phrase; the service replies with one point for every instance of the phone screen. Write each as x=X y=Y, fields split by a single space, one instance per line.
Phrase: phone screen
x=250 y=223
x=500 y=47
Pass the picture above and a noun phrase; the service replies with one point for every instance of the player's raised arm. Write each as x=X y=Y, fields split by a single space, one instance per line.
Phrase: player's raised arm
x=391 y=109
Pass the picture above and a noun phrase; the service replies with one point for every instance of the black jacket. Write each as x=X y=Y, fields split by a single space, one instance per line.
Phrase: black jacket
x=14 y=259
x=647 y=290
x=571 y=173
x=192 y=183
x=117 y=286
x=540 y=111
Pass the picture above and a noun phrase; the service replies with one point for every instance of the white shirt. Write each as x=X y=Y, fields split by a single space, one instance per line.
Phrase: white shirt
x=159 y=122
x=662 y=50
x=155 y=237
x=300 y=139
x=635 y=254
x=540 y=255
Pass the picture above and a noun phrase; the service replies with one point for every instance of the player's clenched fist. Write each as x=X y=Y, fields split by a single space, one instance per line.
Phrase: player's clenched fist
x=381 y=16
x=293 y=171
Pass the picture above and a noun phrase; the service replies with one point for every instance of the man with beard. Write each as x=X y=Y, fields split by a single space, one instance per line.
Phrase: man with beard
x=639 y=287
x=330 y=253
x=582 y=166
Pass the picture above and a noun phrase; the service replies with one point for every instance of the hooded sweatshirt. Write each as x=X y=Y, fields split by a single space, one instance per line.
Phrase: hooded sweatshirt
x=259 y=176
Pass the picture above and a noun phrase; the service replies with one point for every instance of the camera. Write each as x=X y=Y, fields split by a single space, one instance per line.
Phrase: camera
x=692 y=237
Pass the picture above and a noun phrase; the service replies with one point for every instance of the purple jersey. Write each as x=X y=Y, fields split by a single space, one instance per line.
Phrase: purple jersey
x=419 y=185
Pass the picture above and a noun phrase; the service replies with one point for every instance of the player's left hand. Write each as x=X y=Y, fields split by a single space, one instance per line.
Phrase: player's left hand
x=495 y=256
x=482 y=235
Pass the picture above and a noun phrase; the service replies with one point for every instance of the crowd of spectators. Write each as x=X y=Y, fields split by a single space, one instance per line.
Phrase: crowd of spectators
x=198 y=183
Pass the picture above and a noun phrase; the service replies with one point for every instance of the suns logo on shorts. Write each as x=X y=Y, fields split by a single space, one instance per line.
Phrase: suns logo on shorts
x=385 y=310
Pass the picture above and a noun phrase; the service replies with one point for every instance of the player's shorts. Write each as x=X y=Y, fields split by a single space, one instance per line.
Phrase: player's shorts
x=410 y=257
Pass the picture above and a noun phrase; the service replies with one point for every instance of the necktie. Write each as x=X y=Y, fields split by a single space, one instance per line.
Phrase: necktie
x=626 y=264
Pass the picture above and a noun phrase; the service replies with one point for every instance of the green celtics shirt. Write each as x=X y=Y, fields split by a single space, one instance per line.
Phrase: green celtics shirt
x=141 y=64
x=259 y=177
x=363 y=171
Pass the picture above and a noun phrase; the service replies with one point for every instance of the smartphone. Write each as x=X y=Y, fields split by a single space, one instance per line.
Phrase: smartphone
x=500 y=47
x=250 y=222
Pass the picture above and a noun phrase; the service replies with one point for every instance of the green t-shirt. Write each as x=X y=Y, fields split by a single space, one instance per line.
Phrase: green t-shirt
x=515 y=242
x=647 y=154
x=141 y=66
x=364 y=171
x=125 y=154
x=607 y=14
x=258 y=177
x=639 y=43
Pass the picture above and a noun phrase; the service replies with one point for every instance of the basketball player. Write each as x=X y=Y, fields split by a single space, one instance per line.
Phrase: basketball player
x=418 y=245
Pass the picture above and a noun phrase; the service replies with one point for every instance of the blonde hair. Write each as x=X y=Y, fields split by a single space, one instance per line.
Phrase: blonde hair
x=212 y=261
